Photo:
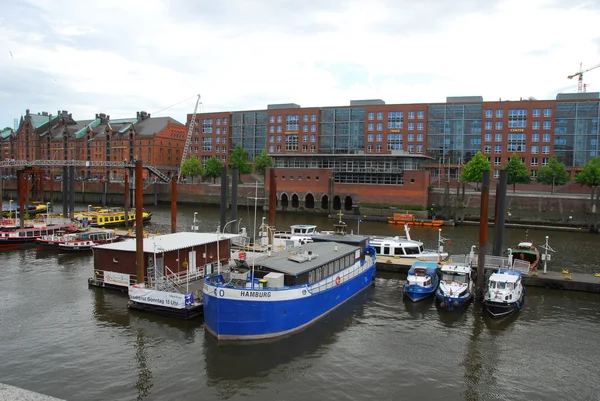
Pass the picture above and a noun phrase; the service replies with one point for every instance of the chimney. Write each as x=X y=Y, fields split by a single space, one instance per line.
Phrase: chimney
x=96 y=115
x=148 y=115
x=108 y=118
x=137 y=115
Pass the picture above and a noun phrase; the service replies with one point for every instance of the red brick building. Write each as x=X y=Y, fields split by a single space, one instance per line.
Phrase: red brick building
x=157 y=141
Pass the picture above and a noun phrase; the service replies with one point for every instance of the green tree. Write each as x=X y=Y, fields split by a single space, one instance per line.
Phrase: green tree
x=262 y=162
x=517 y=172
x=590 y=175
x=239 y=159
x=473 y=170
x=553 y=174
x=212 y=168
x=192 y=167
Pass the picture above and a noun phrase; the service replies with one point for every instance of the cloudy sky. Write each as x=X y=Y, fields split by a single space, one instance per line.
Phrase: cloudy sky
x=119 y=57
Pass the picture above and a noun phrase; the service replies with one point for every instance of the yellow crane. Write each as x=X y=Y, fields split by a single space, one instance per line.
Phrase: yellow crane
x=580 y=74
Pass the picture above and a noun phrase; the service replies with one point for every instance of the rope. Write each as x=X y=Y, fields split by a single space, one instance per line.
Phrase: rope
x=173 y=105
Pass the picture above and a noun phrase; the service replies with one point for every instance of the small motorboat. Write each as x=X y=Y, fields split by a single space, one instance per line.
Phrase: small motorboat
x=76 y=246
x=422 y=281
x=456 y=286
x=527 y=252
x=505 y=293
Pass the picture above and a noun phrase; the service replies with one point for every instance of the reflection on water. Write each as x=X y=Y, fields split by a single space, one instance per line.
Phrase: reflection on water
x=144 y=381
x=253 y=359
x=61 y=338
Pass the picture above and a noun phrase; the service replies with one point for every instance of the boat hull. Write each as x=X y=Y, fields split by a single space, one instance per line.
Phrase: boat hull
x=448 y=302
x=417 y=293
x=501 y=309
x=240 y=319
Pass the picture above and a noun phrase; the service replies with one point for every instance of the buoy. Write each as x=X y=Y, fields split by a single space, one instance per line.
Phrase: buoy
x=565 y=271
x=568 y=278
x=597 y=274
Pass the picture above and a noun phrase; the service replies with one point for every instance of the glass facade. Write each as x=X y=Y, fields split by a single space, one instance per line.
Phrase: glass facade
x=357 y=169
x=249 y=130
x=454 y=132
x=576 y=132
x=342 y=131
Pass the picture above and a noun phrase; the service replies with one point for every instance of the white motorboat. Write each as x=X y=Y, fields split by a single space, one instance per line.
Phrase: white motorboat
x=403 y=250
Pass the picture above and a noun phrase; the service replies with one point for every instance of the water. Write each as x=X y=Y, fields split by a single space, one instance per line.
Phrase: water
x=61 y=338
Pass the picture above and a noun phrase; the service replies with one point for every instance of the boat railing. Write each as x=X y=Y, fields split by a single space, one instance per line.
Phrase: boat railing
x=170 y=280
x=344 y=275
x=492 y=262
x=99 y=277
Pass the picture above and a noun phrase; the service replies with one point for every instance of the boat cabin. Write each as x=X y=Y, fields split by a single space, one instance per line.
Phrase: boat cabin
x=504 y=280
x=396 y=246
x=305 y=265
x=456 y=273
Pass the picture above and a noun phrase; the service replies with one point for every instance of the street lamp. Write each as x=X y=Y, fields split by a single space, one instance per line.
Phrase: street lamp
x=194 y=226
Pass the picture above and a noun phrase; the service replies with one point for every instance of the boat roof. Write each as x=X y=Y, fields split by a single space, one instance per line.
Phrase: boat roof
x=525 y=244
x=325 y=252
x=353 y=239
x=168 y=242
x=509 y=276
x=456 y=268
x=403 y=241
x=430 y=267
x=303 y=226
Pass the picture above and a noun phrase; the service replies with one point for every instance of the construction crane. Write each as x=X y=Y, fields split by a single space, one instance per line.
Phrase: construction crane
x=188 y=140
x=580 y=74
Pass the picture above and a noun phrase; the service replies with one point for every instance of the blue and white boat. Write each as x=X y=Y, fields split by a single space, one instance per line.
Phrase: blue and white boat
x=286 y=291
x=422 y=280
x=505 y=293
x=456 y=286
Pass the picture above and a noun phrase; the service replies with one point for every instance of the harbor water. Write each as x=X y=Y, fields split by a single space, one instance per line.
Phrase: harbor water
x=61 y=338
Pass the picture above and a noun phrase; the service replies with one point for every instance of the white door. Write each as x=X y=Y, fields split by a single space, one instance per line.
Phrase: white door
x=192 y=262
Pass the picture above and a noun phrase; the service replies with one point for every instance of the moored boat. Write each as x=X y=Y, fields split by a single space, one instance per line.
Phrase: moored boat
x=404 y=250
x=286 y=291
x=21 y=236
x=115 y=218
x=78 y=245
x=422 y=280
x=527 y=252
x=409 y=218
x=505 y=293
x=456 y=286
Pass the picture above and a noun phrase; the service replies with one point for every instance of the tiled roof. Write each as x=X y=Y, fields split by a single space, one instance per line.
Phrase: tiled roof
x=6 y=133
x=152 y=126
x=38 y=120
x=83 y=131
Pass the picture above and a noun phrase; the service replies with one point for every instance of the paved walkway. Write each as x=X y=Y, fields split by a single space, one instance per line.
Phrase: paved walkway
x=10 y=393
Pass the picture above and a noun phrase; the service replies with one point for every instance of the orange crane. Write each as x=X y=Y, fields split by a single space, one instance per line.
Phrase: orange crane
x=580 y=74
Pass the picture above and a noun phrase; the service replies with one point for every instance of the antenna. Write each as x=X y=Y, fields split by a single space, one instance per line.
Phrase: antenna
x=16 y=124
x=256 y=198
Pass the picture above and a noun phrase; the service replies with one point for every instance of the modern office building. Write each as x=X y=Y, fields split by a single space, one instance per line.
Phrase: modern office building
x=441 y=136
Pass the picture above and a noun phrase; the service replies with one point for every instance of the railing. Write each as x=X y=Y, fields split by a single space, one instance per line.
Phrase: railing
x=345 y=275
x=491 y=262
x=171 y=280
x=99 y=278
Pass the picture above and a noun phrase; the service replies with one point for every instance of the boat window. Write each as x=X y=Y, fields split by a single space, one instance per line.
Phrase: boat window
x=311 y=277
x=21 y=233
x=411 y=250
x=336 y=263
x=458 y=278
x=421 y=248
x=427 y=281
x=351 y=260
x=398 y=251
x=386 y=250
x=377 y=250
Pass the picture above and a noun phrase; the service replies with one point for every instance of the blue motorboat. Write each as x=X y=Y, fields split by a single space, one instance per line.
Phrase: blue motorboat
x=422 y=281
x=286 y=291
x=456 y=286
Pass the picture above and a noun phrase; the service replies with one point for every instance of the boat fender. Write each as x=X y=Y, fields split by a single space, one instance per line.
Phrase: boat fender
x=518 y=305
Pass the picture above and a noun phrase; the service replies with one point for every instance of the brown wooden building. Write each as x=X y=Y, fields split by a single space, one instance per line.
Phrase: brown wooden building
x=164 y=255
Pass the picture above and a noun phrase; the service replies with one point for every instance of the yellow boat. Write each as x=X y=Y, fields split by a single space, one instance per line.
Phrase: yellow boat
x=101 y=217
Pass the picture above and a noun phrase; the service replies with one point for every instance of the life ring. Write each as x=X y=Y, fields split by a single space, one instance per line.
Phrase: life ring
x=338 y=280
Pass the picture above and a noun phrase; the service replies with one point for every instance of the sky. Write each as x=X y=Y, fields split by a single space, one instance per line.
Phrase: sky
x=120 y=57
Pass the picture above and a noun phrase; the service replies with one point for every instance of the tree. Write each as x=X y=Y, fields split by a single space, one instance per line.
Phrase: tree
x=192 y=167
x=239 y=159
x=212 y=168
x=262 y=162
x=590 y=175
x=473 y=171
x=553 y=174
x=517 y=172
